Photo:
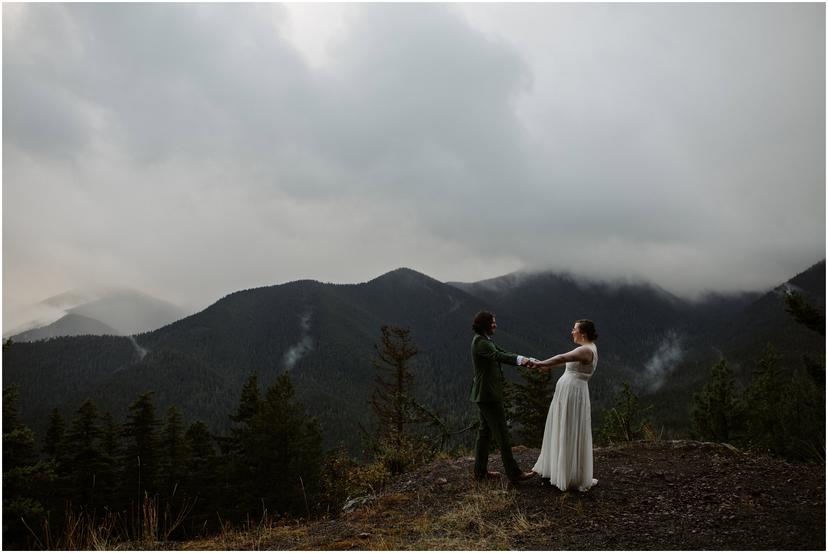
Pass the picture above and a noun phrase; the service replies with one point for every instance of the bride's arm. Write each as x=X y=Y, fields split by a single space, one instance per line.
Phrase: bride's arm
x=581 y=354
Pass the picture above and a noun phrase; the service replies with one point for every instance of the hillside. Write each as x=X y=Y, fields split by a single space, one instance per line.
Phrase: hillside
x=651 y=495
x=68 y=325
x=324 y=335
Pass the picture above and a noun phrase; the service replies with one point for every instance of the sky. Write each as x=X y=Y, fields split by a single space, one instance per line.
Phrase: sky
x=193 y=150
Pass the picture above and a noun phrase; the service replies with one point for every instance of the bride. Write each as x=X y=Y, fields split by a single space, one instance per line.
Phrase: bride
x=566 y=453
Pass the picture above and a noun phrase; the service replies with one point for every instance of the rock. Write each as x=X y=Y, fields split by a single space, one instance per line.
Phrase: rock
x=352 y=504
x=442 y=481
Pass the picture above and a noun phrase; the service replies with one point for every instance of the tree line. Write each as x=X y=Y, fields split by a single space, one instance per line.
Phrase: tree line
x=152 y=477
x=157 y=478
x=780 y=411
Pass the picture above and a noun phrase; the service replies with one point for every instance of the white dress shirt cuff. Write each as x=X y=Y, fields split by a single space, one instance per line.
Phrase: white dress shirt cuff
x=521 y=360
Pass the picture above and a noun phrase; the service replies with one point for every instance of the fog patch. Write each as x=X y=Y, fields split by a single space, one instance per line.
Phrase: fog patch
x=668 y=354
x=299 y=349
x=142 y=352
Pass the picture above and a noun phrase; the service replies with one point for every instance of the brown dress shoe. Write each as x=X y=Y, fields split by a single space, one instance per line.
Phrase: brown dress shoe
x=523 y=476
x=491 y=474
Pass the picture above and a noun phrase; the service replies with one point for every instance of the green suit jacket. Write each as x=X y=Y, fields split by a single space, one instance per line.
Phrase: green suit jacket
x=488 y=375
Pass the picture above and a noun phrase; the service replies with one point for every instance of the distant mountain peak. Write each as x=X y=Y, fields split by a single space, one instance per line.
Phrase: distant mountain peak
x=405 y=274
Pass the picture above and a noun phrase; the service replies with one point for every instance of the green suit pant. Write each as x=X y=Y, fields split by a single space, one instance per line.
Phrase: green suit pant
x=493 y=425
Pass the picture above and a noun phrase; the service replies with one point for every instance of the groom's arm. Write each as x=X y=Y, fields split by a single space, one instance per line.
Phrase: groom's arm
x=487 y=349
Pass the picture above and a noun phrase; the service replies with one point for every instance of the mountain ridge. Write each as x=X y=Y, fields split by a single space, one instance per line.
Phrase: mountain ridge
x=324 y=335
x=117 y=311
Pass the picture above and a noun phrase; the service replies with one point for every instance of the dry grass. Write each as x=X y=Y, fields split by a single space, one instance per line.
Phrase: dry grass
x=485 y=517
x=83 y=531
x=262 y=536
x=475 y=522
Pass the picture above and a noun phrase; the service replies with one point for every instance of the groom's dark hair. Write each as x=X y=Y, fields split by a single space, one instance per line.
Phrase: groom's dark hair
x=482 y=322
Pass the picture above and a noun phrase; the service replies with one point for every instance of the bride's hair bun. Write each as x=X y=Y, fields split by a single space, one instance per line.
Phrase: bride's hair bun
x=587 y=328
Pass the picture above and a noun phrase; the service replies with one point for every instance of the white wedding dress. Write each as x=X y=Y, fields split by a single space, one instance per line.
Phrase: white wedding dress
x=566 y=452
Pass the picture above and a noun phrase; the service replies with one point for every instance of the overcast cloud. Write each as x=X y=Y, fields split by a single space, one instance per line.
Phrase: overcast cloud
x=192 y=150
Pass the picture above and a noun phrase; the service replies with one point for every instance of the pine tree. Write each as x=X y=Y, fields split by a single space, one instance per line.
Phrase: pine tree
x=784 y=411
x=530 y=404
x=199 y=443
x=201 y=470
x=25 y=478
x=273 y=454
x=173 y=452
x=86 y=459
x=54 y=449
x=141 y=454
x=760 y=403
x=391 y=399
x=237 y=488
x=395 y=408
x=248 y=403
x=627 y=420
x=199 y=486
x=805 y=313
x=715 y=409
x=288 y=446
x=110 y=446
x=55 y=434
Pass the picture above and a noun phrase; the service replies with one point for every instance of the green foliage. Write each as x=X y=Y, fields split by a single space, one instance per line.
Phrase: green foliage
x=337 y=482
x=763 y=426
x=804 y=313
x=86 y=465
x=274 y=455
x=780 y=412
x=784 y=412
x=141 y=453
x=200 y=466
x=174 y=452
x=529 y=404
x=391 y=398
x=55 y=435
x=626 y=421
x=248 y=403
x=400 y=441
x=25 y=478
x=715 y=412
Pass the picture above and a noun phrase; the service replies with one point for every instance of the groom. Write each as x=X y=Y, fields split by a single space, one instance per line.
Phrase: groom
x=487 y=392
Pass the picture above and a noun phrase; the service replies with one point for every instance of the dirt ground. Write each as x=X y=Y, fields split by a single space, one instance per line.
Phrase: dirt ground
x=651 y=496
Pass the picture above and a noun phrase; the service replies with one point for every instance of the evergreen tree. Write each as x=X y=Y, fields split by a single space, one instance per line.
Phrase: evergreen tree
x=199 y=443
x=201 y=472
x=396 y=443
x=110 y=446
x=288 y=444
x=760 y=403
x=715 y=409
x=248 y=403
x=54 y=449
x=530 y=404
x=55 y=434
x=784 y=412
x=86 y=459
x=627 y=420
x=392 y=394
x=274 y=453
x=25 y=478
x=173 y=452
x=805 y=313
x=141 y=454
x=238 y=490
